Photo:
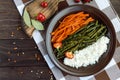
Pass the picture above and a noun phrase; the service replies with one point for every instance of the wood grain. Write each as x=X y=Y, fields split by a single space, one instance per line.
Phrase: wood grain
x=10 y=20
x=19 y=56
x=25 y=73
x=19 y=52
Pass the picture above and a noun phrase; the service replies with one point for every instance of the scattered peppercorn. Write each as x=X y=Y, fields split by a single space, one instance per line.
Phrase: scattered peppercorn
x=35 y=47
x=8 y=52
x=41 y=72
x=14 y=43
x=36 y=55
x=14 y=61
x=23 y=53
x=15 y=48
x=38 y=58
x=12 y=34
x=18 y=54
x=9 y=59
x=21 y=72
x=18 y=28
x=31 y=71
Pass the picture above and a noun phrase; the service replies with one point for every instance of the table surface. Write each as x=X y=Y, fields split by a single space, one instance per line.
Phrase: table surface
x=19 y=56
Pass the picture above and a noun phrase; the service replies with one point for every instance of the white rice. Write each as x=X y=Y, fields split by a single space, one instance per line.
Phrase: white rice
x=89 y=55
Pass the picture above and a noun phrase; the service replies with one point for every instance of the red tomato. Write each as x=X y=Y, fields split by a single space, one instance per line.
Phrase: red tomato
x=69 y=55
x=40 y=17
x=57 y=45
x=44 y=4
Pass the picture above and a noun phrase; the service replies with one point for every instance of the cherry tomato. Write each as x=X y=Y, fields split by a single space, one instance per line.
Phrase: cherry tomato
x=44 y=4
x=40 y=17
x=69 y=55
x=57 y=45
x=77 y=1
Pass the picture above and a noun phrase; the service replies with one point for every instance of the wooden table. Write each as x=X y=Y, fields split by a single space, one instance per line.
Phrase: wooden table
x=19 y=56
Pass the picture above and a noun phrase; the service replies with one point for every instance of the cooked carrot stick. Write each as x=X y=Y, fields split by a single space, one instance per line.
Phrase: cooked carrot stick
x=69 y=25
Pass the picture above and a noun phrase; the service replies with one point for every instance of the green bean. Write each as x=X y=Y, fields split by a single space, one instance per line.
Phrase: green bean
x=74 y=48
x=85 y=37
x=96 y=22
x=84 y=27
x=89 y=41
x=69 y=42
x=81 y=46
x=103 y=33
x=100 y=29
x=75 y=38
x=81 y=29
x=65 y=48
x=90 y=25
x=92 y=28
x=79 y=32
x=71 y=37
x=70 y=45
x=59 y=56
x=77 y=47
x=91 y=33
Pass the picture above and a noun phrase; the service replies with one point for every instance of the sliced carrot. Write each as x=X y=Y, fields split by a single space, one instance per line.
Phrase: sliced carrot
x=69 y=25
x=88 y=20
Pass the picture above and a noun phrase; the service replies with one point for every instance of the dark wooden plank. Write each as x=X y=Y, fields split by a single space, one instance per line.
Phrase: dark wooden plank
x=26 y=73
x=20 y=52
x=10 y=21
x=19 y=56
x=26 y=62
x=8 y=10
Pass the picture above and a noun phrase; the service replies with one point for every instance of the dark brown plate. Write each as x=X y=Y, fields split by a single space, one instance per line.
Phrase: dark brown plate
x=104 y=59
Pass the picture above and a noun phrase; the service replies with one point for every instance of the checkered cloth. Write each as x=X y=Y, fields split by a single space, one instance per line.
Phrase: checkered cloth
x=112 y=70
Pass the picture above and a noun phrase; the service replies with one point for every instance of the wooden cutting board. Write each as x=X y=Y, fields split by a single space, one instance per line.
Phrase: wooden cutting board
x=34 y=8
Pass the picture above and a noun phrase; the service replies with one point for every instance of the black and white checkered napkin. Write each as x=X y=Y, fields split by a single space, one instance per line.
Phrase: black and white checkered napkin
x=111 y=71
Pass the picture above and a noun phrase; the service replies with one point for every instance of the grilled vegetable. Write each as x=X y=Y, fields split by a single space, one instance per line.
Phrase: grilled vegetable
x=82 y=38
x=69 y=55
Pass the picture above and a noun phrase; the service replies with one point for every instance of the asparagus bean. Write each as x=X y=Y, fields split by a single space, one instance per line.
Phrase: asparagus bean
x=96 y=22
x=100 y=29
x=89 y=41
x=92 y=28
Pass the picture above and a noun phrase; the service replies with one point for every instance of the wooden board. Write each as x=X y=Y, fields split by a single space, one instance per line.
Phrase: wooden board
x=34 y=8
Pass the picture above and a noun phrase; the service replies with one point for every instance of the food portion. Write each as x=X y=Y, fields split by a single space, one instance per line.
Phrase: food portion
x=89 y=55
x=77 y=38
